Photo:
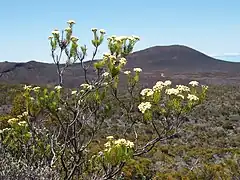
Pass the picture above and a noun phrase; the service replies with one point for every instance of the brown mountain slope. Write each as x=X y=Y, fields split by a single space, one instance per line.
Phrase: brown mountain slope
x=179 y=63
x=179 y=58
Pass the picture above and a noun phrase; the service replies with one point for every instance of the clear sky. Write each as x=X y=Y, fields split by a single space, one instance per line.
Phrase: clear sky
x=210 y=26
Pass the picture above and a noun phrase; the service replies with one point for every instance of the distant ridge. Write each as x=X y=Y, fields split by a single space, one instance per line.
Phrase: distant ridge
x=175 y=61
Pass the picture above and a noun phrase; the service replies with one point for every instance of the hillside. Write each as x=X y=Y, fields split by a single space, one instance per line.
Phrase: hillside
x=176 y=62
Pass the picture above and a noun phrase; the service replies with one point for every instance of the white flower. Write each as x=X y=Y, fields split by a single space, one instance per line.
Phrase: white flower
x=127 y=72
x=144 y=106
x=12 y=120
x=102 y=31
x=105 y=74
x=123 y=61
x=194 y=83
x=22 y=123
x=36 y=88
x=19 y=116
x=106 y=54
x=71 y=22
x=58 y=87
x=192 y=97
x=136 y=37
x=108 y=144
x=74 y=39
x=181 y=96
x=25 y=113
x=87 y=86
x=204 y=87
x=55 y=32
x=147 y=92
x=182 y=88
x=172 y=91
x=167 y=83
x=68 y=29
x=130 y=144
x=110 y=137
x=137 y=69
x=94 y=29
x=105 y=83
x=27 y=87
x=50 y=37
x=158 y=86
x=74 y=92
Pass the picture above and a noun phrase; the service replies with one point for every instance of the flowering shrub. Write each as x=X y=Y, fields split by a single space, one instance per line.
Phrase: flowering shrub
x=60 y=125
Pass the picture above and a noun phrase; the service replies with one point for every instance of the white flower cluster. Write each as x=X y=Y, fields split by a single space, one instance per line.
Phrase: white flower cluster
x=36 y=89
x=12 y=120
x=127 y=72
x=87 y=86
x=58 y=87
x=167 y=83
x=74 y=92
x=123 y=61
x=172 y=91
x=22 y=123
x=118 y=142
x=71 y=22
x=183 y=88
x=123 y=38
x=194 y=83
x=137 y=69
x=192 y=97
x=144 y=106
x=105 y=74
x=158 y=86
x=147 y=92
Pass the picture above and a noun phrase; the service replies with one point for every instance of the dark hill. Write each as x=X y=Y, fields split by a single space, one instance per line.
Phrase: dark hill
x=179 y=58
x=179 y=63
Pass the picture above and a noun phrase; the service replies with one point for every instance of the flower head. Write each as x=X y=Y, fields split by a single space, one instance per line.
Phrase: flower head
x=144 y=106
x=137 y=69
x=36 y=89
x=27 y=87
x=127 y=72
x=172 y=91
x=123 y=61
x=194 y=83
x=167 y=83
x=58 y=87
x=22 y=123
x=136 y=37
x=147 y=92
x=94 y=29
x=192 y=97
x=71 y=22
x=87 y=86
x=74 y=92
x=106 y=54
x=110 y=137
x=158 y=86
x=12 y=120
x=55 y=32
x=181 y=96
x=105 y=74
x=102 y=31
x=182 y=88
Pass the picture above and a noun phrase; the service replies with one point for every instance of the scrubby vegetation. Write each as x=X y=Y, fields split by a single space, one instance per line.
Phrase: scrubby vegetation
x=102 y=130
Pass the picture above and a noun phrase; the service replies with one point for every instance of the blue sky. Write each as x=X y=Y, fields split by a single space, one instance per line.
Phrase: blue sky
x=210 y=26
